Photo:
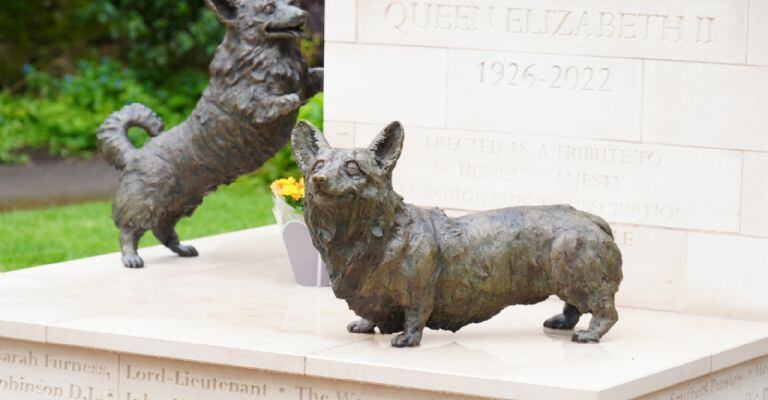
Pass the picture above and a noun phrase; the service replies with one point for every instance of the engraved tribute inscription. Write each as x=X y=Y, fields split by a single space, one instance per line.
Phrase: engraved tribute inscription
x=480 y=171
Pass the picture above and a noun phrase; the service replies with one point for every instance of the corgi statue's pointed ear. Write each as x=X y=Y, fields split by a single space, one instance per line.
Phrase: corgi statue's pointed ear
x=226 y=10
x=306 y=142
x=387 y=146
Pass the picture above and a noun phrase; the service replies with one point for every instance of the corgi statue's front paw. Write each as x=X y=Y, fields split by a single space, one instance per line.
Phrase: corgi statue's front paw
x=361 y=326
x=407 y=340
x=133 y=261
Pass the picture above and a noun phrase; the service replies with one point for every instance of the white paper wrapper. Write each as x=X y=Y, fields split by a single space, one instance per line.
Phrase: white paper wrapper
x=284 y=212
x=308 y=268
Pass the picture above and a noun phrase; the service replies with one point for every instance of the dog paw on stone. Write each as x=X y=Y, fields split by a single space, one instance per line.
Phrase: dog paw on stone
x=406 y=340
x=361 y=326
x=586 y=337
x=184 y=250
x=133 y=261
x=561 y=322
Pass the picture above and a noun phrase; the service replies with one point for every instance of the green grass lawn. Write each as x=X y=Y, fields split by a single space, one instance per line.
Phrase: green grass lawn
x=30 y=238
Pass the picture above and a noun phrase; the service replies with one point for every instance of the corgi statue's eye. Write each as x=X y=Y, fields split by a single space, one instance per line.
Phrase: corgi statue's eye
x=319 y=164
x=270 y=8
x=352 y=168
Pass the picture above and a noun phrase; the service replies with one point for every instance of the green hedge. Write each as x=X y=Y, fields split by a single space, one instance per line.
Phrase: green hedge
x=63 y=115
x=154 y=37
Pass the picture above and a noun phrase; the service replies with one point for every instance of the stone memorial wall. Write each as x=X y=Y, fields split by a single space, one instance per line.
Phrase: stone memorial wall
x=653 y=114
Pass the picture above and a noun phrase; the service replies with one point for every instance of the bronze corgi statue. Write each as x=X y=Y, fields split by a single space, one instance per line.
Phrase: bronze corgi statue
x=258 y=82
x=403 y=268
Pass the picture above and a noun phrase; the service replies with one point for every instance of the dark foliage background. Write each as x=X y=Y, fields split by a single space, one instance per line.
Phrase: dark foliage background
x=67 y=64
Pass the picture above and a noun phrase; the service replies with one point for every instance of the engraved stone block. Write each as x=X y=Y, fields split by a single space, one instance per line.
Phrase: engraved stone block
x=341 y=20
x=542 y=94
x=708 y=105
x=758 y=32
x=628 y=183
x=143 y=378
x=745 y=381
x=374 y=84
x=38 y=371
x=754 y=209
x=340 y=134
x=713 y=30
x=725 y=275
x=653 y=267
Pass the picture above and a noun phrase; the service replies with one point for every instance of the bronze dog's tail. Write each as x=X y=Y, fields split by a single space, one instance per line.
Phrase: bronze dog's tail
x=113 y=133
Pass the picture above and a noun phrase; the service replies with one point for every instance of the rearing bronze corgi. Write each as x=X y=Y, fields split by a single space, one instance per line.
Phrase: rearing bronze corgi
x=258 y=82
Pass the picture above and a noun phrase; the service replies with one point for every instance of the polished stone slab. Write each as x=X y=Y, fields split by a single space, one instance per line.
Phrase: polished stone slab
x=235 y=314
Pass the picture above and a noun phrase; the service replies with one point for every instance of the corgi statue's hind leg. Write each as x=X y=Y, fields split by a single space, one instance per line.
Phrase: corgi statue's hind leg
x=166 y=234
x=603 y=319
x=565 y=321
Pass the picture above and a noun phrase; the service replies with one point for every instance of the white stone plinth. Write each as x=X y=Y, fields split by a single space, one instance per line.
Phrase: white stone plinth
x=232 y=324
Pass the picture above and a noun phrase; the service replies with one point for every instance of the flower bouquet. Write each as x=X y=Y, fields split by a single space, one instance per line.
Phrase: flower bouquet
x=308 y=268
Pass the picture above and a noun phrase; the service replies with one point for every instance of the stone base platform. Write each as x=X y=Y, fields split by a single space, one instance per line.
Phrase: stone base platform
x=231 y=324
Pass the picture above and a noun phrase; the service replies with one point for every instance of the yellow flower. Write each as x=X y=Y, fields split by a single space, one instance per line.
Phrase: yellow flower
x=279 y=185
x=290 y=191
x=275 y=188
x=288 y=187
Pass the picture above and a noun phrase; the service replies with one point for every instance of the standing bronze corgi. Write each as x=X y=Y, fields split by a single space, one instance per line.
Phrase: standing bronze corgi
x=402 y=268
x=258 y=82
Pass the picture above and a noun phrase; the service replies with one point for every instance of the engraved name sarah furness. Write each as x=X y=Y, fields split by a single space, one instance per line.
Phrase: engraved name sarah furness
x=40 y=372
